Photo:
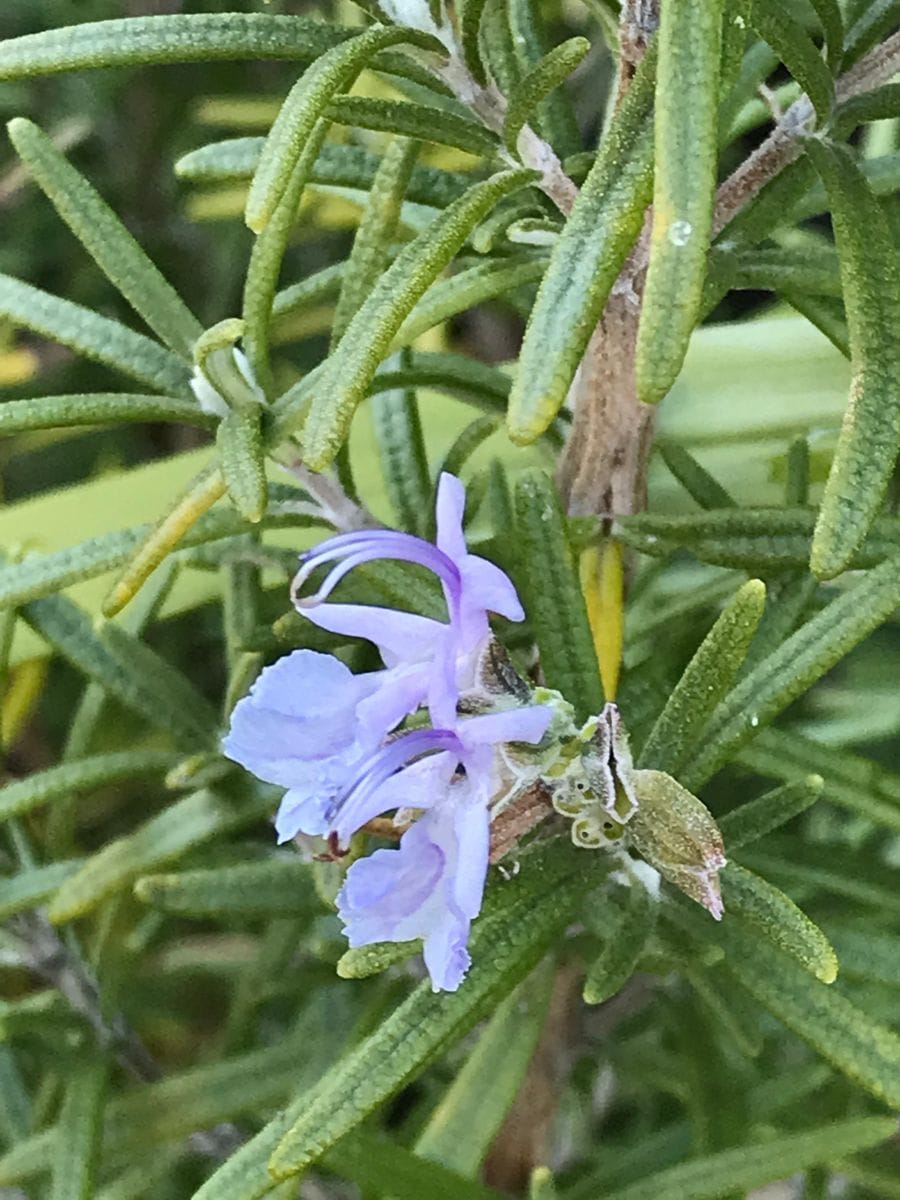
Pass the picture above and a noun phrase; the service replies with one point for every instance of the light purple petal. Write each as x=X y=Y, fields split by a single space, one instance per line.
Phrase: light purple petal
x=401 y=637
x=449 y=512
x=301 y=709
x=402 y=691
x=527 y=724
x=430 y=887
x=486 y=587
x=301 y=811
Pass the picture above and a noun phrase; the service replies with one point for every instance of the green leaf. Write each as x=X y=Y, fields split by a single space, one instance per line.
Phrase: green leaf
x=281 y=886
x=93 y=336
x=350 y=368
x=548 y=580
x=126 y=668
x=796 y=49
x=240 y=442
x=537 y=83
x=160 y=1113
x=504 y=948
x=554 y=119
x=404 y=464
x=757 y=539
x=858 y=879
x=749 y=822
x=853 y=782
x=376 y=232
x=101 y=408
x=361 y=962
x=686 y=128
x=605 y=219
x=785 y=674
x=266 y=257
x=464 y=446
x=83 y=775
x=235 y=160
x=870 y=435
x=832 y=21
x=825 y=313
x=78 y=1145
x=694 y=478
x=421 y=121
x=771 y=912
x=747 y=1167
x=189 y=822
x=470 y=14
x=874 y=20
x=465 y=1122
x=106 y=239
x=34 y=886
x=624 y=941
x=317 y=288
x=866 y=954
x=166 y=39
x=329 y=74
x=369 y=1161
x=493 y=278
x=706 y=680
x=863 y=1050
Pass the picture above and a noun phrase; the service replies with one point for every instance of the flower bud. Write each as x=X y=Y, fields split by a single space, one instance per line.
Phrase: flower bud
x=676 y=833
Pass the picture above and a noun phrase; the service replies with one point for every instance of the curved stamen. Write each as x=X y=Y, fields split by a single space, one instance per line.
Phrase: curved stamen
x=350 y=550
x=383 y=764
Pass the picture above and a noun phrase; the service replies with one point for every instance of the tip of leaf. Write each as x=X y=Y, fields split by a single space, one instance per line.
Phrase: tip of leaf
x=116 y=600
x=815 y=783
x=18 y=125
x=256 y=218
x=829 y=556
x=523 y=433
x=827 y=970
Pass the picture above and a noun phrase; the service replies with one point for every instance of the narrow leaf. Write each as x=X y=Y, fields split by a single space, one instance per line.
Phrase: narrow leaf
x=106 y=239
x=548 y=579
x=469 y=24
x=795 y=666
x=461 y=1129
x=537 y=83
x=705 y=681
x=139 y=679
x=694 y=478
x=421 y=121
x=870 y=435
x=624 y=942
x=350 y=369
x=851 y=781
x=101 y=408
x=503 y=949
x=749 y=822
x=404 y=464
x=77 y=1154
x=796 y=49
x=279 y=887
x=832 y=21
x=30 y=888
x=377 y=230
x=747 y=1167
x=83 y=775
x=166 y=39
x=187 y=823
x=686 y=128
x=240 y=442
x=863 y=1050
x=93 y=336
x=329 y=74
x=605 y=219
x=774 y=914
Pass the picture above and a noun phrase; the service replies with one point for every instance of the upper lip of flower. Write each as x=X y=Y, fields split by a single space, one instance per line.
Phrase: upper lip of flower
x=349 y=550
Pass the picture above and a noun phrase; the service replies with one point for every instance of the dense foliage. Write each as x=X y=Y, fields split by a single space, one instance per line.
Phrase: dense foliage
x=485 y=242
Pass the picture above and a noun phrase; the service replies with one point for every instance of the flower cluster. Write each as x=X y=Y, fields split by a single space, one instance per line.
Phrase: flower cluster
x=336 y=741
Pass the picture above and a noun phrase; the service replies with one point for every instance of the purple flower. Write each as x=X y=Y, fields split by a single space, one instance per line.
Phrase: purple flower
x=301 y=728
x=432 y=661
x=431 y=886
